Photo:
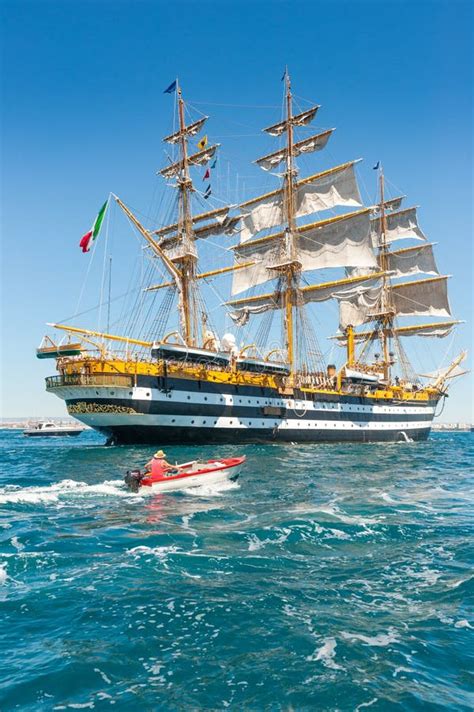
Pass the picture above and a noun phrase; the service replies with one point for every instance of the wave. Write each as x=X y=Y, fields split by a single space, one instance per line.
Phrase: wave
x=12 y=494
x=380 y=640
x=326 y=654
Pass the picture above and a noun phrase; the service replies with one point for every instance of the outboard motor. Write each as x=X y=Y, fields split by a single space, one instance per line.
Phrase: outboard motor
x=133 y=479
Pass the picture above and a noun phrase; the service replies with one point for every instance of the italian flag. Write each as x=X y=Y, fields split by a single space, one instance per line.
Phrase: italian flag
x=89 y=237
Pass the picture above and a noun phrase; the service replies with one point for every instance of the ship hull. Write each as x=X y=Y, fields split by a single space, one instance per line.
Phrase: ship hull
x=196 y=412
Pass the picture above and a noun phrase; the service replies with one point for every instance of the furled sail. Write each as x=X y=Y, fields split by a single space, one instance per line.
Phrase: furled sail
x=439 y=330
x=412 y=260
x=196 y=159
x=399 y=225
x=227 y=226
x=334 y=187
x=298 y=120
x=426 y=296
x=190 y=130
x=219 y=214
x=313 y=293
x=337 y=242
x=389 y=205
x=308 y=145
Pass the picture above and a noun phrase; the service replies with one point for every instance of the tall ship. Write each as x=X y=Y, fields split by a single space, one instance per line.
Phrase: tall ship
x=306 y=246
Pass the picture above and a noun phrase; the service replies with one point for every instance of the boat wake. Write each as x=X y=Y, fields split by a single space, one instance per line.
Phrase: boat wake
x=12 y=494
x=214 y=490
x=73 y=489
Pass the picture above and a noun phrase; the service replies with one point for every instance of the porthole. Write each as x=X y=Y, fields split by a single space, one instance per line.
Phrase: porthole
x=173 y=420
x=204 y=422
x=189 y=397
x=148 y=394
x=205 y=397
x=112 y=393
x=192 y=422
x=130 y=393
x=215 y=422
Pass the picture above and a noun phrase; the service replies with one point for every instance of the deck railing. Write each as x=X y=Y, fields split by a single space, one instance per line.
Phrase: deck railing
x=94 y=379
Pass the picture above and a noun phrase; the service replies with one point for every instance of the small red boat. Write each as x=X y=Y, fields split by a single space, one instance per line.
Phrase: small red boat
x=190 y=474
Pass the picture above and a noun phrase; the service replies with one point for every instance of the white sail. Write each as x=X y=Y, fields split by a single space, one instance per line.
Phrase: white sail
x=357 y=306
x=308 y=145
x=190 y=130
x=264 y=214
x=438 y=330
x=227 y=226
x=399 y=225
x=315 y=293
x=298 y=120
x=263 y=254
x=334 y=187
x=412 y=260
x=197 y=159
x=338 y=242
x=427 y=296
x=389 y=205
x=220 y=214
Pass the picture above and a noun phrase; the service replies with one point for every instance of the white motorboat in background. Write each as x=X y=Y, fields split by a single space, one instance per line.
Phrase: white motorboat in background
x=49 y=428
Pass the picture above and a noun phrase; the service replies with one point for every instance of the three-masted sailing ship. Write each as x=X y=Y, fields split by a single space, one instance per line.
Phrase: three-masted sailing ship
x=196 y=386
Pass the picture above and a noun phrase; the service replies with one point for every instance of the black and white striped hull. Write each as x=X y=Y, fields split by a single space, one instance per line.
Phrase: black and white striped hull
x=185 y=411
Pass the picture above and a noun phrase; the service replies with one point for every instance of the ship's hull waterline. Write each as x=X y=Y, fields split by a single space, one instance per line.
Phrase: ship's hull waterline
x=202 y=412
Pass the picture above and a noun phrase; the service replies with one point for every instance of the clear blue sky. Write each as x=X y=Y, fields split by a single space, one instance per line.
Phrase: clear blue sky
x=84 y=113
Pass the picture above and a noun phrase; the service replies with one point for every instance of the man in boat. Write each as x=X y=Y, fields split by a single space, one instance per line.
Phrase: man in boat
x=158 y=465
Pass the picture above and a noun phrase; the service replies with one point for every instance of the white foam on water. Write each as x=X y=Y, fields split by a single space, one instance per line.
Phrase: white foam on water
x=380 y=641
x=3 y=574
x=401 y=668
x=463 y=624
x=387 y=498
x=326 y=654
x=334 y=511
x=161 y=552
x=214 y=490
x=458 y=582
x=255 y=543
x=65 y=488
x=16 y=543
x=374 y=700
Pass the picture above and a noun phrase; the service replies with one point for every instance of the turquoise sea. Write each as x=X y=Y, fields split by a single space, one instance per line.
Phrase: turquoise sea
x=329 y=578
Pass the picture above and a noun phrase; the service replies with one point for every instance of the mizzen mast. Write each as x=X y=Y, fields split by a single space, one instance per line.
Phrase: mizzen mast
x=387 y=312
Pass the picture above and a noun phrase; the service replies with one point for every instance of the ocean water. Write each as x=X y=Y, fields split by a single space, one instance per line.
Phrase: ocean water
x=328 y=578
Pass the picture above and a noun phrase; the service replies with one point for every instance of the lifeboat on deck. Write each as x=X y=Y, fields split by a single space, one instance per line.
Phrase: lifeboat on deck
x=190 y=474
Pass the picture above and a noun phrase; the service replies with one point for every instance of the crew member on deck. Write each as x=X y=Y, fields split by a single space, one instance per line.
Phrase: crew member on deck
x=158 y=464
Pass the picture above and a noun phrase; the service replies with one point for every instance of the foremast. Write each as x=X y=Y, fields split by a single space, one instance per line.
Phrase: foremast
x=188 y=307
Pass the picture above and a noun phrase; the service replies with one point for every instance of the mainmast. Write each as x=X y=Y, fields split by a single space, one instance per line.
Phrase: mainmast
x=292 y=267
